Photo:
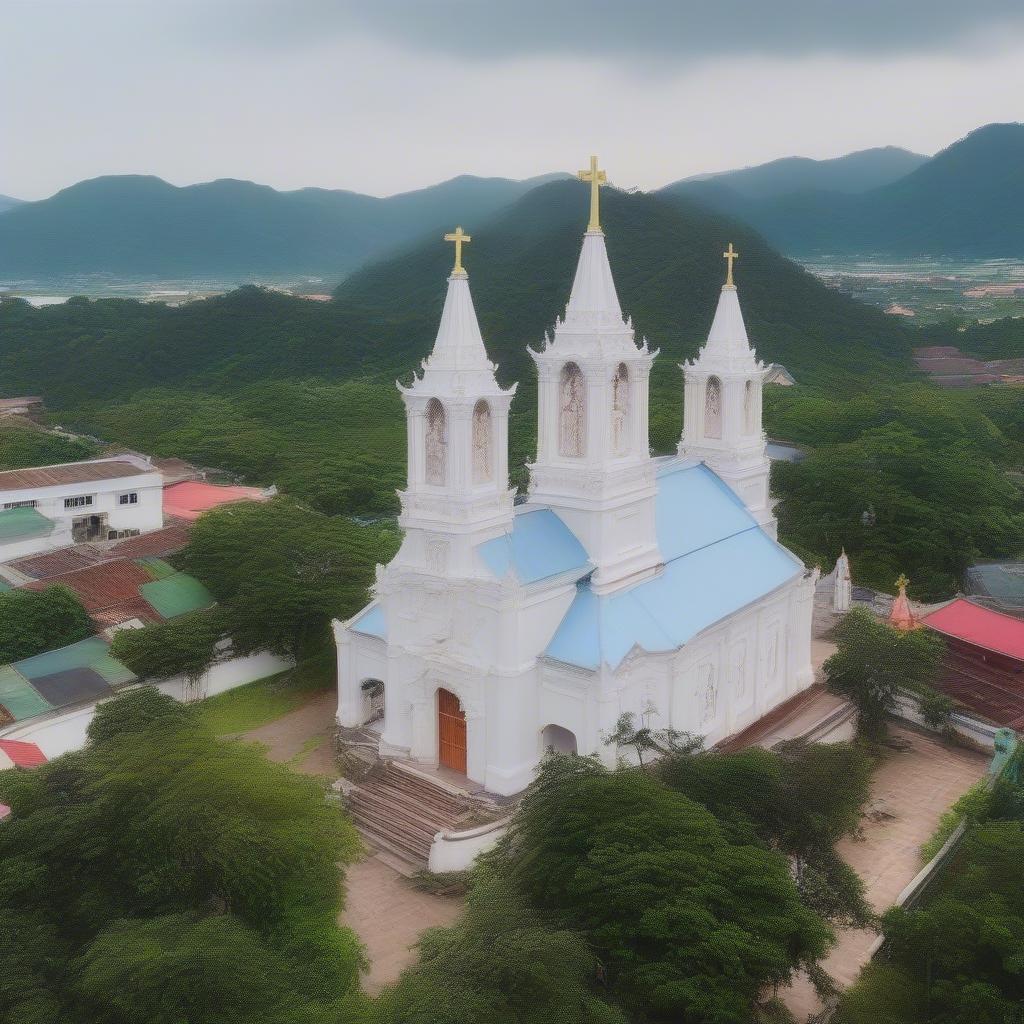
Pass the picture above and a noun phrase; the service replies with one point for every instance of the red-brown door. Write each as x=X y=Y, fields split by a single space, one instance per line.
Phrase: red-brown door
x=451 y=732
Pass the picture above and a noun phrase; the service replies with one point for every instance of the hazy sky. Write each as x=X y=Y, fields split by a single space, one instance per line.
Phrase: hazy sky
x=387 y=95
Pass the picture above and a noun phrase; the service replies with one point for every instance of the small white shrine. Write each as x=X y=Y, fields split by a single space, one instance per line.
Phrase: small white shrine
x=625 y=583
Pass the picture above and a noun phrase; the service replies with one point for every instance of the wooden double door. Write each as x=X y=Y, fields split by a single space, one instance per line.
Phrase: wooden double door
x=451 y=732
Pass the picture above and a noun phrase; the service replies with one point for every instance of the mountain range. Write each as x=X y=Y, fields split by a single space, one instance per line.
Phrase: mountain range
x=967 y=200
x=136 y=226
x=854 y=172
x=8 y=203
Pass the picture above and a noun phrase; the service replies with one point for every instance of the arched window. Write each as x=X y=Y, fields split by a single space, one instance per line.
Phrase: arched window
x=558 y=739
x=436 y=443
x=713 y=408
x=620 y=410
x=483 y=443
x=572 y=419
x=748 y=408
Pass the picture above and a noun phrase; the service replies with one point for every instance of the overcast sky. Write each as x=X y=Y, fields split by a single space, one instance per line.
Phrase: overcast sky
x=383 y=96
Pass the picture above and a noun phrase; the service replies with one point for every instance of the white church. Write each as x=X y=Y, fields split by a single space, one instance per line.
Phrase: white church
x=625 y=583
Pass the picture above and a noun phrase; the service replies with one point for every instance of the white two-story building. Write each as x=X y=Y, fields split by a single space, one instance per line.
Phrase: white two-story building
x=97 y=500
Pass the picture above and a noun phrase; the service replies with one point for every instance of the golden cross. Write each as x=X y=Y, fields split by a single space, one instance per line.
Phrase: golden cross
x=597 y=179
x=730 y=254
x=458 y=236
x=902 y=583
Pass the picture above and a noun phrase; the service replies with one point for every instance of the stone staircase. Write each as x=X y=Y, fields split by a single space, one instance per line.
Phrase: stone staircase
x=399 y=812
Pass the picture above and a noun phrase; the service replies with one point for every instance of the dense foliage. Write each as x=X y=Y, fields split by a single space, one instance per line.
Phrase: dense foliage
x=23 y=445
x=280 y=573
x=799 y=799
x=691 y=921
x=956 y=958
x=875 y=663
x=503 y=962
x=34 y=621
x=161 y=874
x=927 y=466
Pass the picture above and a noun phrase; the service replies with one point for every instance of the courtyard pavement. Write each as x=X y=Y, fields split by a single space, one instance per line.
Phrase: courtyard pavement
x=910 y=790
x=381 y=905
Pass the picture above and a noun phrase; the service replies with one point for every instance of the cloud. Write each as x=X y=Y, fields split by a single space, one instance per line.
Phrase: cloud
x=658 y=32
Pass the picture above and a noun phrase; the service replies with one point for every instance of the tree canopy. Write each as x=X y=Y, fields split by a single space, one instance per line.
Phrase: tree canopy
x=691 y=923
x=194 y=868
x=874 y=663
x=34 y=621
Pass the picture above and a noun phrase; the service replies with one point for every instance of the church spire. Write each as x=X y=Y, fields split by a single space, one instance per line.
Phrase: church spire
x=594 y=465
x=457 y=493
x=722 y=407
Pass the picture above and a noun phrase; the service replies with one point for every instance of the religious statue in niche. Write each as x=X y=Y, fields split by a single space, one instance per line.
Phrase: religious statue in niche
x=436 y=442
x=620 y=409
x=571 y=419
x=482 y=443
x=713 y=408
x=708 y=690
x=748 y=408
x=739 y=669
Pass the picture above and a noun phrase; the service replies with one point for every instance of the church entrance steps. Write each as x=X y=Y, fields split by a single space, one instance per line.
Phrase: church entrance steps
x=401 y=813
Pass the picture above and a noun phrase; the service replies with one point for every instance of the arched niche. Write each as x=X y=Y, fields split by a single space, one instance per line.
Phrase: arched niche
x=620 y=410
x=435 y=444
x=483 y=443
x=572 y=414
x=713 y=408
x=749 y=410
x=557 y=739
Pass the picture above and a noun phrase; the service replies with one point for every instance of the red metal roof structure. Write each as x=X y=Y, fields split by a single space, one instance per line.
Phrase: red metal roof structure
x=982 y=627
x=5 y=811
x=71 y=473
x=191 y=498
x=22 y=754
x=109 y=591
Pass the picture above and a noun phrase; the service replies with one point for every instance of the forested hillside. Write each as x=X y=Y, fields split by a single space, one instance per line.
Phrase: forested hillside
x=967 y=200
x=302 y=393
x=138 y=226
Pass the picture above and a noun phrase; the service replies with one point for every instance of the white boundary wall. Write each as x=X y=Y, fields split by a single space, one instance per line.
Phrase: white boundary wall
x=65 y=729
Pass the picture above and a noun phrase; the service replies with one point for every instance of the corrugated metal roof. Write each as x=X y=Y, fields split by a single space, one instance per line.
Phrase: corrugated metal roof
x=177 y=594
x=539 y=546
x=1002 y=634
x=22 y=524
x=24 y=755
x=190 y=498
x=102 y=587
x=71 y=473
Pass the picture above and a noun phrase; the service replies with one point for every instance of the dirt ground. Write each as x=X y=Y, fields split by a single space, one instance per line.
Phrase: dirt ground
x=381 y=906
x=910 y=791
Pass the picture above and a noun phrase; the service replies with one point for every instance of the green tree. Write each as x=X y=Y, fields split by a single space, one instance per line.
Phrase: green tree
x=874 y=663
x=501 y=963
x=692 y=924
x=159 y=818
x=799 y=799
x=135 y=711
x=183 y=646
x=281 y=572
x=35 y=621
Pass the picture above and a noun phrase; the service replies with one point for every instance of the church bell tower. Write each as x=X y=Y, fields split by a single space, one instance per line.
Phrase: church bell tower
x=722 y=408
x=593 y=457
x=457 y=494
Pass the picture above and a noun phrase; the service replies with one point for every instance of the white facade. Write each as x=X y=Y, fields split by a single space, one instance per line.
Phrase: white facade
x=625 y=584
x=96 y=500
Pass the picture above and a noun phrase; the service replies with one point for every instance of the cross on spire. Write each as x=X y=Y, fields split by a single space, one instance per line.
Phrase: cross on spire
x=729 y=255
x=597 y=179
x=458 y=236
x=902 y=583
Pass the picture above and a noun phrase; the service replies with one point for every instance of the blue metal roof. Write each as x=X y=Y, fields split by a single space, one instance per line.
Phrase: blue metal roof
x=371 y=622
x=718 y=560
x=539 y=546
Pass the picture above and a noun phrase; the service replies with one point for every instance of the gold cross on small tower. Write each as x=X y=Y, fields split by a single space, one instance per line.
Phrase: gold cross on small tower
x=458 y=236
x=597 y=179
x=902 y=583
x=730 y=254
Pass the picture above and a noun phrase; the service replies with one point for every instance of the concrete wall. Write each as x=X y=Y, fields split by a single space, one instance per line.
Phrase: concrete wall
x=65 y=729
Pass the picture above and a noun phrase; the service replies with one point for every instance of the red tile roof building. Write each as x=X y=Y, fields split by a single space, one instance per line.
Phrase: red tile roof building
x=984 y=663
